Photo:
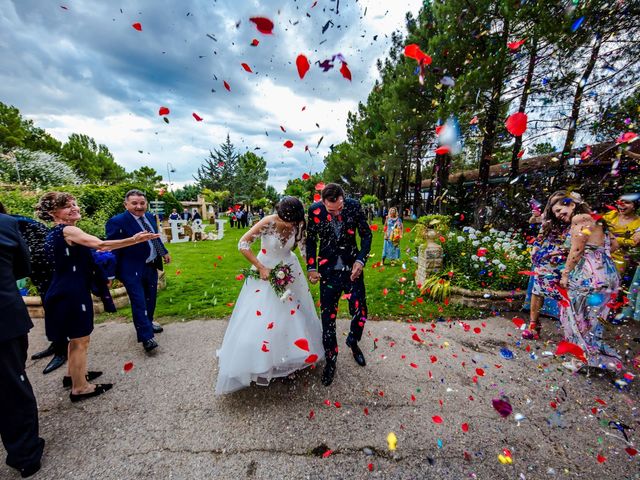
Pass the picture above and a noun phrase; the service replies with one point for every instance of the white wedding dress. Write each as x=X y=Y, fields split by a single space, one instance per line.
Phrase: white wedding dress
x=260 y=341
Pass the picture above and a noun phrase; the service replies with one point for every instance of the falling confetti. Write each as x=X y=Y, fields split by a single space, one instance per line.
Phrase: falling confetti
x=303 y=66
x=197 y=117
x=163 y=111
x=137 y=26
x=264 y=25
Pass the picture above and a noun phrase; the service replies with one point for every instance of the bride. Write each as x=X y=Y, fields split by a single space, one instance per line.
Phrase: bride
x=269 y=335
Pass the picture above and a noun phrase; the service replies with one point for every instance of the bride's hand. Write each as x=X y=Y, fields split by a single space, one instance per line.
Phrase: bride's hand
x=264 y=272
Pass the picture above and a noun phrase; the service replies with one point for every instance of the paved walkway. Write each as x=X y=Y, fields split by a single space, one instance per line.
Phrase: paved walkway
x=162 y=420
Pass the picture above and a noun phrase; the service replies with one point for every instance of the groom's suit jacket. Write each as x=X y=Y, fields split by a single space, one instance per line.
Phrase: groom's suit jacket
x=337 y=241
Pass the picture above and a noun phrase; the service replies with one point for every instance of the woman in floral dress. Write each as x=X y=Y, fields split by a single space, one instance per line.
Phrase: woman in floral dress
x=589 y=279
x=392 y=235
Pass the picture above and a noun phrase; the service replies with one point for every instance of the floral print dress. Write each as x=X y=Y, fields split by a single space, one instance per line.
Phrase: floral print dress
x=592 y=284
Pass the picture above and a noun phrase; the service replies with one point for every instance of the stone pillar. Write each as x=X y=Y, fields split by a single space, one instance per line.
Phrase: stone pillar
x=221 y=228
x=430 y=258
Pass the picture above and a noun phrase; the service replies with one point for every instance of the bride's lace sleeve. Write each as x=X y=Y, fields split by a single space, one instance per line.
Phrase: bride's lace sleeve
x=254 y=233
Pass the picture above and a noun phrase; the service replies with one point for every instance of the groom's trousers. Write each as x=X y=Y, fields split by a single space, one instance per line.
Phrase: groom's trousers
x=332 y=285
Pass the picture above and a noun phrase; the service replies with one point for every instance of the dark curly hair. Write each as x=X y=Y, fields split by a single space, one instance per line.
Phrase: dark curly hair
x=51 y=202
x=290 y=209
x=551 y=224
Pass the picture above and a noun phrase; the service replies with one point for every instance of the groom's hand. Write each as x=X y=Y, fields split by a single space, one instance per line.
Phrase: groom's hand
x=313 y=277
x=356 y=271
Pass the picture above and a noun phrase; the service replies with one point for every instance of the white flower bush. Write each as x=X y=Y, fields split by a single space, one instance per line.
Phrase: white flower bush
x=37 y=169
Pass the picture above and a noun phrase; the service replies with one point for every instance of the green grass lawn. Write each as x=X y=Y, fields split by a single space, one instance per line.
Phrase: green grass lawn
x=201 y=283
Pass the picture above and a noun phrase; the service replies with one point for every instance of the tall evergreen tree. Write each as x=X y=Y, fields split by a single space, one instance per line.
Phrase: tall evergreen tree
x=219 y=170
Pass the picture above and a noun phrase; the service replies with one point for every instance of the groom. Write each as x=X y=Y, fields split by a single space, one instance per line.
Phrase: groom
x=338 y=265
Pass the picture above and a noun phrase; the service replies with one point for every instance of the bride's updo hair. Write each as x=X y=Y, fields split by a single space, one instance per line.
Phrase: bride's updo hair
x=290 y=209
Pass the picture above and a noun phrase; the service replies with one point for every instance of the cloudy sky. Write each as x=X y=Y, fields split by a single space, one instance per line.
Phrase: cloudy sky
x=80 y=66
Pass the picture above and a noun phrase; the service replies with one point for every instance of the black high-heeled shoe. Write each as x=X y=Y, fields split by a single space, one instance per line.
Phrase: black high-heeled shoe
x=100 y=389
x=67 y=383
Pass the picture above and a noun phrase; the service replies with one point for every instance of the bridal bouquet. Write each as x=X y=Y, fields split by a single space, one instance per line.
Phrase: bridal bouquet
x=280 y=277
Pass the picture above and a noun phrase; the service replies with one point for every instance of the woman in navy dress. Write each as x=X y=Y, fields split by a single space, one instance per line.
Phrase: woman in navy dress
x=68 y=304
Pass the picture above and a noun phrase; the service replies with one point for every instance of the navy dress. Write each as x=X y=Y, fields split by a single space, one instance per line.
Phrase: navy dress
x=68 y=304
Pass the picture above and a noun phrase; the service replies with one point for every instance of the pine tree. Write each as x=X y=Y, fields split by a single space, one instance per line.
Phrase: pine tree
x=219 y=170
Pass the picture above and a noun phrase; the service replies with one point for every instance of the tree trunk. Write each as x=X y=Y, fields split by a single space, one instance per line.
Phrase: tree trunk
x=577 y=101
x=515 y=160
x=489 y=139
x=417 y=189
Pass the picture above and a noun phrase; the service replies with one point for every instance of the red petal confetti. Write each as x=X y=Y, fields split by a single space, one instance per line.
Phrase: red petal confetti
x=302 y=344
x=601 y=458
x=344 y=70
x=374 y=228
x=302 y=63
x=327 y=453
x=365 y=410
x=258 y=313
x=442 y=150
x=320 y=186
x=518 y=322
x=197 y=117
x=517 y=124
x=513 y=46
x=413 y=51
x=436 y=419
x=337 y=404
x=264 y=25
x=128 y=366
x=137 y=26
x=226 y=85
x=465 y=427
x=255 y=42
x=265 y=348
x=163 y=111
x=569 y=348
x=477 y=330
x=306 y=176
x=416 y=338
x=313 y=358
x=327 y=403
x=502 y=407
x=601 y=402
x=270 y=326
x=433 y=359
x=288 y=144
x=370 y=467
x=480 y=372
x=385 y=291
x=439 y=129
x=240 y=277
x=246 y=67
x=631 y=451
x=520 y=153
x=626 y=137
x=317 y=197
x=413 y=365
x=312 y=414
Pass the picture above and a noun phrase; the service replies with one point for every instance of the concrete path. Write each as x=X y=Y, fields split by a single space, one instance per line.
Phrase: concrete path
x=163 y=421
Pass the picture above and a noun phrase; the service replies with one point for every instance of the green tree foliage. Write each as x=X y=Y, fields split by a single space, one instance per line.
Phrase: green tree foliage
x=16 y=132
x=148 y=177
x=251 y=177
x=616 y=119
x=272 y=194
x=188 y=193
x=94 y=162
x=219 y=170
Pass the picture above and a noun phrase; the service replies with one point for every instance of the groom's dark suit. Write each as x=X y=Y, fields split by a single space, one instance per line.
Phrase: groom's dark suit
x=337 y=253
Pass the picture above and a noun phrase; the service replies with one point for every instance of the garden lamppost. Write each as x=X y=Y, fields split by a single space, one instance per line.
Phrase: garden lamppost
x=170 y=170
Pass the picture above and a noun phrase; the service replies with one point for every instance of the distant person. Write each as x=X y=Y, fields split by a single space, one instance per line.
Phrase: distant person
x=185 y=214
x=240 y=216
x=19 y=427
x=138 y=266
x=261 y=213
x=174 y=215
x=392 y=235
x=196 y=216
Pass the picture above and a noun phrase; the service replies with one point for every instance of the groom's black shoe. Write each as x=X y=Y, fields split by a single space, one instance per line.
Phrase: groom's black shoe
x=47 y=352
x=56 y=362
x=358 y=356
x=329 y=372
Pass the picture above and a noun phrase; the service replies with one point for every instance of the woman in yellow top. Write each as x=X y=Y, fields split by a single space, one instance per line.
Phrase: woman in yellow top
x=624 y=224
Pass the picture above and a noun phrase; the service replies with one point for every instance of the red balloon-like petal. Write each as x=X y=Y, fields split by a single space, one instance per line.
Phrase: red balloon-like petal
x=255 y=42
x=137 y=26
x=436 y=419
x=264 y=25
x=465 y=427
x=163 y=111
x=246 y=67
x=303 y=65
x=197 y=117
x=302 y=344
x=517 y=124
x=568 y=348
x=288 y=144
x=344 y=70
x=128 y=366
x=513 y=46
x=306 y=176
x=442 y=150
x=320 y=186
x=226 y=85
x=313 y=358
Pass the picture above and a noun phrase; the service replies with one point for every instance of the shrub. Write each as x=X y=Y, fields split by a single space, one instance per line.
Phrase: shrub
x=36 y=169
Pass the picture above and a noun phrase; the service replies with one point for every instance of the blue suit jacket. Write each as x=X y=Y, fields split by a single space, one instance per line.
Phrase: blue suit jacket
x=131 y=261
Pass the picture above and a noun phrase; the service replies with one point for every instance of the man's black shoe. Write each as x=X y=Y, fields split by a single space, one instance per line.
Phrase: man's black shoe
x=157 y=328
x=47 y=352
x=328 y=373
x=358 y=356
x=55 y=363
x=30 y=470
x=150 y=344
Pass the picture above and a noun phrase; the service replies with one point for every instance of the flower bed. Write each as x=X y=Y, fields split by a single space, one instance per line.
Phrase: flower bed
x=119 y=295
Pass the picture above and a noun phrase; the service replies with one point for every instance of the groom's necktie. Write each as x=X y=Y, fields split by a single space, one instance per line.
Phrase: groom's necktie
x=157 y=248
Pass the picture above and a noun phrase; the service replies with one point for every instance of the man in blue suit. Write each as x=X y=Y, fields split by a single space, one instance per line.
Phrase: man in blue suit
x=137 y=266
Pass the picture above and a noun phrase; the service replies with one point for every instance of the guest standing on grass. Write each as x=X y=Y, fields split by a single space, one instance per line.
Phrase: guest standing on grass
x=19 y=411
x=137 y=267
x=68 y=305
x=392 y=236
